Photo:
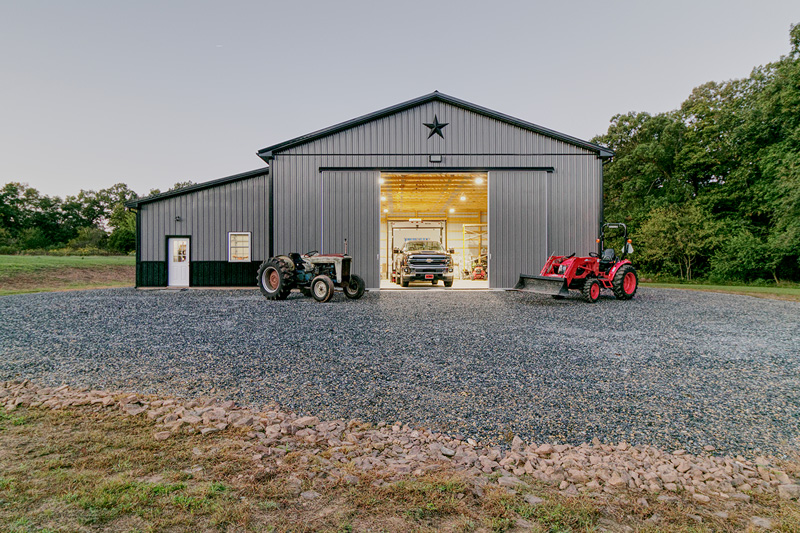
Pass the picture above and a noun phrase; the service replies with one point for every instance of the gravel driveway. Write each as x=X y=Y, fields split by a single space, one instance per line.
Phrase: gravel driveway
x=671 y=368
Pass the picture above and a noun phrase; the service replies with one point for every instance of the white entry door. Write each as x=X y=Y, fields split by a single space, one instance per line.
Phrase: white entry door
x=178 y=262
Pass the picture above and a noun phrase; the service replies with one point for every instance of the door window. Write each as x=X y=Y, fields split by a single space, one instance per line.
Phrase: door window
x=179 y=251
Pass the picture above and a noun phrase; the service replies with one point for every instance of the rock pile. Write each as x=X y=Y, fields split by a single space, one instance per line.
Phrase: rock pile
x=334 y=449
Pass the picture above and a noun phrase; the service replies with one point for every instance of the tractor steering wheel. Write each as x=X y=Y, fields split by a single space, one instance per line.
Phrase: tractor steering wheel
x=594 y=254
x=570 y=255
x=312 y=253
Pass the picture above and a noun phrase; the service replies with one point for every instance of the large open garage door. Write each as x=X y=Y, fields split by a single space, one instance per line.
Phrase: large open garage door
x=350 y=210
x=445 y=208
x=518 y=225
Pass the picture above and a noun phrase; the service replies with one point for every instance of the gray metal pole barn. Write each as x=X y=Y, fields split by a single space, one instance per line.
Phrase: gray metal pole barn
x=544 y=192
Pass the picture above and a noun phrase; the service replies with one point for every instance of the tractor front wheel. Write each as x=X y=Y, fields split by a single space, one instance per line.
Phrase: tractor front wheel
x=322 y=288
x=275 y=278
x=403 y=281
x=355 y=288
x=591 y=290
x=625 y=282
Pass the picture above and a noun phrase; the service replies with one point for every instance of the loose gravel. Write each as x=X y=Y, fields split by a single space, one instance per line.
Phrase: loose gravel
x=671 y=368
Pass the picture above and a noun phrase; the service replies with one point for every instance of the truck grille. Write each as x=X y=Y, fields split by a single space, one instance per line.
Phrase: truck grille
x=420 y=263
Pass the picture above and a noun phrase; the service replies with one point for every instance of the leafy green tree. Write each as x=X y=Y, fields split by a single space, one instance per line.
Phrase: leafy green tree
x=123 y=234
x=678 y=239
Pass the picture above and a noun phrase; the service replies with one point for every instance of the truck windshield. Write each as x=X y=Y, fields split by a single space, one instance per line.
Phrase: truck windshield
x=416 y=246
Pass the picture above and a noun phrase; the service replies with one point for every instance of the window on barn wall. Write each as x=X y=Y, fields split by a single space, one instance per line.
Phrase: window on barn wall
x=238 y=247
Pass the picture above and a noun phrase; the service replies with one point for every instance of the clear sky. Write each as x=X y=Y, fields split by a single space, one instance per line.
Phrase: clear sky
x=152 y=92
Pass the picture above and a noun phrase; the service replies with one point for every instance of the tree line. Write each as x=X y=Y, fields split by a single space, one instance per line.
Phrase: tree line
x=91 y=222
x=712 y=189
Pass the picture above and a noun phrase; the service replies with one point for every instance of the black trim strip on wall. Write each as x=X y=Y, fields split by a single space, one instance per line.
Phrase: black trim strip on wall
x=270 y=222
x=436 y=169
x=201 y=274
x=151 y=274
x=224 y=274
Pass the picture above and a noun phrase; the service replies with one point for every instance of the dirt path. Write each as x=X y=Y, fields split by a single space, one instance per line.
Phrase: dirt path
x=70 y=278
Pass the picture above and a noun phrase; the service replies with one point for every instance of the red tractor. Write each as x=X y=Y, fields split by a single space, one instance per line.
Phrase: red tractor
x=587 y=274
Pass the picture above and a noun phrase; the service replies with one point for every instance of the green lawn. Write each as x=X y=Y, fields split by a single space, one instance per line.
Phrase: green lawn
x=38 y=273
x=15 y=264
x=789 y=292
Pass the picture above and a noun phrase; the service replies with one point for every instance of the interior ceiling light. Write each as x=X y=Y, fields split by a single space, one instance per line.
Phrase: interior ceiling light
x=452 y=209
x=463 y=198
x=383 y=198
x=385 y=210
x=381 y=181
x=478 y=181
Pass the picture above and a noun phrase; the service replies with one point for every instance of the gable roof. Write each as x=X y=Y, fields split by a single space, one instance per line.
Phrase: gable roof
x=196 y=187
x=267 y=153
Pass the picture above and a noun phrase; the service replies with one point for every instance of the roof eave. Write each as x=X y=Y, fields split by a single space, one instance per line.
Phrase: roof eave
x=134 y=204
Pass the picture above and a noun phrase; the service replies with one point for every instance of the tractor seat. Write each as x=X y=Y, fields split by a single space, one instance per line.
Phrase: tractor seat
x=608 y=259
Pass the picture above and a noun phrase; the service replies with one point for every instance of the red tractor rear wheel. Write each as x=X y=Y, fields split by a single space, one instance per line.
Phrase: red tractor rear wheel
x=625 y=282
x=591 y=290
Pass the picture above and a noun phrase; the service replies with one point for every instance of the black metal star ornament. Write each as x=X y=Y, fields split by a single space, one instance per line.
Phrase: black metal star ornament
x=436 y=127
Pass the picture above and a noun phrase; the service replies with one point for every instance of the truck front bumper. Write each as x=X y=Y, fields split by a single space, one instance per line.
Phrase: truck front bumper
x=413 y=275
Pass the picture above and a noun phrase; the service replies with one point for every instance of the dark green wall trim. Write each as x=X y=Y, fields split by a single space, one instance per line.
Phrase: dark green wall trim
x=201 y=274
x=151 y=274
x=223 y=274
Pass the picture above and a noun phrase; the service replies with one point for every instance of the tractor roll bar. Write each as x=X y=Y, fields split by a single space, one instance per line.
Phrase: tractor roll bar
x=614 y=225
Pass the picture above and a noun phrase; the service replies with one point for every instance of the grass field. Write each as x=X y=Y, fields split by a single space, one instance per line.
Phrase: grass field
x=88 y=469
x=791 y=292
x=39 y=273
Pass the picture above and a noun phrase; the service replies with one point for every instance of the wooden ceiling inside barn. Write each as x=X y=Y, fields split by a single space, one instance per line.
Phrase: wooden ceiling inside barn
x=433 y=193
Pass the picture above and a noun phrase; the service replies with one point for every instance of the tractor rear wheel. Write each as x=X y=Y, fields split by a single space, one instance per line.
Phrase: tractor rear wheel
x=322 y=288
x=591 y=290
x=276 y=278
x=625 y=282
x=355 y=288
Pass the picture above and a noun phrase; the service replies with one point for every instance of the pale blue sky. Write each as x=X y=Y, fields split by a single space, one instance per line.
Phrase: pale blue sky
x=150 y=93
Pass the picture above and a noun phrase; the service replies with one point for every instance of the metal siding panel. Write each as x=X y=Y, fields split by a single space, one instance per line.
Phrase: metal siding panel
x=350 y=210
x=517 y=225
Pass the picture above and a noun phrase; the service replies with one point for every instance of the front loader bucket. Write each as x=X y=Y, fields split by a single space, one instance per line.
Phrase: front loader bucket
x=542 y=285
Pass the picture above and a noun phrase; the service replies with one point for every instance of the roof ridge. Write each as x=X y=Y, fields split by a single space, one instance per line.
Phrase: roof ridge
x=267 y=153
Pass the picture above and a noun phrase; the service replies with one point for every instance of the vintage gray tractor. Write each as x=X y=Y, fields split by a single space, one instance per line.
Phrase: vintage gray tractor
x=313 y=273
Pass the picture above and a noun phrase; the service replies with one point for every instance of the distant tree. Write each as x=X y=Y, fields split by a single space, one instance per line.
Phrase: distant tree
x=89 y=237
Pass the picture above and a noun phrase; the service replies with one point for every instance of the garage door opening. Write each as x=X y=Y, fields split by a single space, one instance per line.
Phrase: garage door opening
x=434 y=214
